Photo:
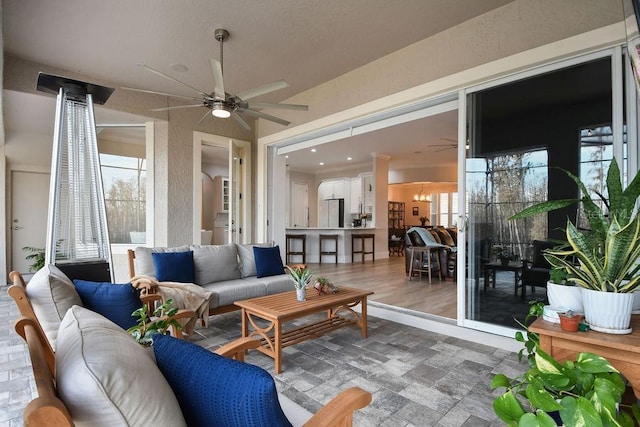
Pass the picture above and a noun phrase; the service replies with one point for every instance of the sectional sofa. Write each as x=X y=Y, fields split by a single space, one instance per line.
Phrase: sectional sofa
x=230 y=272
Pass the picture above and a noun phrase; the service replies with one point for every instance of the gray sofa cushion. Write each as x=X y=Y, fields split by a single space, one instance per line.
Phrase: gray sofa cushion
x=247 y=260
x=105 y=378
x=276 y=284
x=143 y=262
x=215 y=263
x=230 y=291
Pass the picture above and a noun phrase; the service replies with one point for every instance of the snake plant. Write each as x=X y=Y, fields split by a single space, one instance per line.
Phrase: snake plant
x=606 y=257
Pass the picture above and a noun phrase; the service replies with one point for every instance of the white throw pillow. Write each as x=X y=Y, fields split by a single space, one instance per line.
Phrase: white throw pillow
x=51 y=294
x=105 y=378
x=247 y=259
x=215 y=263
x=143 y=262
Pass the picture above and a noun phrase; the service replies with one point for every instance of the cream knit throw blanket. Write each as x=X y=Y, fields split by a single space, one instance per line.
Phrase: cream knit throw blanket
x=184 y=295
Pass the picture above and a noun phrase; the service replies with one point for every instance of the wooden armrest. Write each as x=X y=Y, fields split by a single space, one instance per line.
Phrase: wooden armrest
x=339 y=411
x=237 y=349
x=46 y=409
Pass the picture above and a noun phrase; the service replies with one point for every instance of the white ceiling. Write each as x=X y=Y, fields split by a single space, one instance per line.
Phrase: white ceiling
x=305 y=42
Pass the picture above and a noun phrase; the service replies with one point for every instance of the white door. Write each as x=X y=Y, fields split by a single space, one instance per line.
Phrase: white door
x=30 y=201
x=300 y=205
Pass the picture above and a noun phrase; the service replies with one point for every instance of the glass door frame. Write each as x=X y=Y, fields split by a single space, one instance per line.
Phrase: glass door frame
x=616 y=56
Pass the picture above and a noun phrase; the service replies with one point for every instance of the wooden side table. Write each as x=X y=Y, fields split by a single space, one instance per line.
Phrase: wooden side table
x=622 y=351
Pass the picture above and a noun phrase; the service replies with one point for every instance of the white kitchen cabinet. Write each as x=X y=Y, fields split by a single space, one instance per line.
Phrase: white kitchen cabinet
x=222 y=196
x=334 y=189
x=356 y=195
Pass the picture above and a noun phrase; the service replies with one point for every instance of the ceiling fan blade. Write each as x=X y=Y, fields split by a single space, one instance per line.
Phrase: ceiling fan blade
x=443 y=149
x=168 y=77
x=242 y=121
x=261 y=90
x=153 y=92
x=208 y=113
x=261 y=105
x=267 y=117
x=177 y=107
x=218 y=82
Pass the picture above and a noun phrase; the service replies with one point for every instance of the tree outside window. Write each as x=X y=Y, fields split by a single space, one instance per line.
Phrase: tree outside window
x=124 y=181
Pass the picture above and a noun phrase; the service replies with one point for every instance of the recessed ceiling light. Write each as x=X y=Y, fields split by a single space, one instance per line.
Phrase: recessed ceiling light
x=349 y=158
x=286 y=156
x=321 y=163
x=313 y=150
x=181 y=68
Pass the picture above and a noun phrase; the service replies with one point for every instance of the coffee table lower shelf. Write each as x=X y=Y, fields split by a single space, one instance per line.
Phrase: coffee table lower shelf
x=277 y=309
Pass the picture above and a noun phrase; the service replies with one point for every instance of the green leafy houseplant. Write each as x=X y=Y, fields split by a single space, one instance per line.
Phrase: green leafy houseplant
x=146 y=328
x=584 y=392
x=604 y=258
x=36 y=257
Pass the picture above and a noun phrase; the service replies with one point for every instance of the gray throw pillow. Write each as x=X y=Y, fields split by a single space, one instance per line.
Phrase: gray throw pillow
x=215 y=263
x=247 y=259
x=51 y=294
x=143 y=262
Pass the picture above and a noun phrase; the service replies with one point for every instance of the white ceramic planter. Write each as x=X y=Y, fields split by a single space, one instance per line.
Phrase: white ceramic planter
x=566 y=297
x=301 y=294
x=608 y=312
x=636 y=302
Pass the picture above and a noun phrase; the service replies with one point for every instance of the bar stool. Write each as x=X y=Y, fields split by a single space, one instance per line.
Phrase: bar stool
x=363 y=238
x=290 y=241
x=324 y=237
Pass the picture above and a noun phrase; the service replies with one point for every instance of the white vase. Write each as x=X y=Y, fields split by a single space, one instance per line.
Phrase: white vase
x=608 y=312
x=301 y=294
x=636 y=302
x=565 y=297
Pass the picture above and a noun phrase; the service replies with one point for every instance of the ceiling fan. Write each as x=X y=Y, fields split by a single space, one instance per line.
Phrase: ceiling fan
x=220 y=103
x=453 y=145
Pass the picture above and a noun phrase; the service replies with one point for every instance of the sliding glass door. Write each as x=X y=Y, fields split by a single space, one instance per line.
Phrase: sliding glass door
x=521 y=133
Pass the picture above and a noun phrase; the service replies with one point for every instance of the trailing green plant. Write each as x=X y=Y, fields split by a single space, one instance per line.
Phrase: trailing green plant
x=558 y=276
x=300 y=276
x=529 y=339
x=146 y=327
x=606 y=257
x=584 y=392
x=36 y=257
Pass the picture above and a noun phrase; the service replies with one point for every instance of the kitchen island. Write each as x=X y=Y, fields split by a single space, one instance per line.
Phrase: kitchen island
x=344 y=243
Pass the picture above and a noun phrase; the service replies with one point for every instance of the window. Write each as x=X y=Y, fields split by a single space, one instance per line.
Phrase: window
x=124 y=179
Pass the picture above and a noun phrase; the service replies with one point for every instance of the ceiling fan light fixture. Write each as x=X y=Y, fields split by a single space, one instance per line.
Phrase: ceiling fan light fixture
x=221 y=110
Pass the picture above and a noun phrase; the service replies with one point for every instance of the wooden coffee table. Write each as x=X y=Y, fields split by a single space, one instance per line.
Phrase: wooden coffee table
x=280 y=308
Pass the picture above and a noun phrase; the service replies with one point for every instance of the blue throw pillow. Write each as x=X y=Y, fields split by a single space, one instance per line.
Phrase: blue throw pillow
x=215 y=391
x=114 y=301
x=174 y=266
x=268 y=261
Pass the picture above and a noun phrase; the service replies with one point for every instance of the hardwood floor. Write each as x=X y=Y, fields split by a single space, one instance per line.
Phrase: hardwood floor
x=387 y=278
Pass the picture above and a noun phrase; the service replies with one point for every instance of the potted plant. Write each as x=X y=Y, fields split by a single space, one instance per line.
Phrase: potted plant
x=300 y=275
x=423 y=220
x=603 y=260
x=324 y=286
x=586 y=391
x=144 y=330
x=36 y=257
x=563 y=293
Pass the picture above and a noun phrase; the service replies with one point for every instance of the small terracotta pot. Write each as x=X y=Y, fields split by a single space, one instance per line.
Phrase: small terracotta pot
x=570 y=324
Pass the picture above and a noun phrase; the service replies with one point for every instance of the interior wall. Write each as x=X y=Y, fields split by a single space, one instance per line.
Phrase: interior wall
x=405 y=193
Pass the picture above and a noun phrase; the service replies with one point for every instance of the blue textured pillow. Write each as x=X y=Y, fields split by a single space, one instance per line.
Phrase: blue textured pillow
x=114 y=301
x=174 y=266
x=215 y=391
x=268 y=261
